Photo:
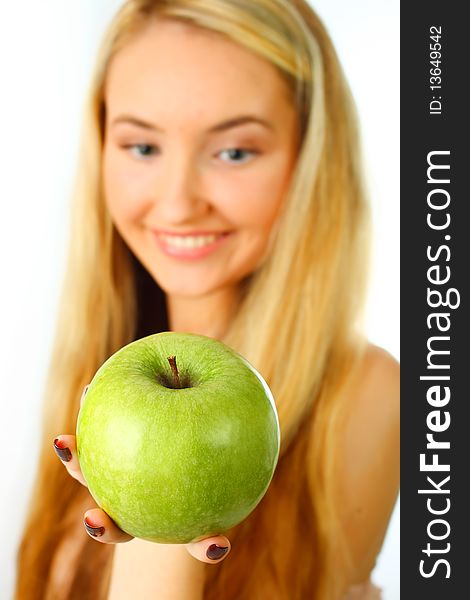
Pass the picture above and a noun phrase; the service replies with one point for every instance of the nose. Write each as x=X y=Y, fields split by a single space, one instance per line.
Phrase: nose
x=179 y=195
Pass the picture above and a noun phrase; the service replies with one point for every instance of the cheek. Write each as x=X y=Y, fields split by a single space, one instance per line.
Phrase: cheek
x=121 y=194
x=259 y=198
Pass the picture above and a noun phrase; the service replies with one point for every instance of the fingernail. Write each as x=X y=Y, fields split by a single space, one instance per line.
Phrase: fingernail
x=62 y=451
x=94 y=531
x=215 y=551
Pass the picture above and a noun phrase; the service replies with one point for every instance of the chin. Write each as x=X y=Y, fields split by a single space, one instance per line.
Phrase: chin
x=196 y=281
x=186 y=287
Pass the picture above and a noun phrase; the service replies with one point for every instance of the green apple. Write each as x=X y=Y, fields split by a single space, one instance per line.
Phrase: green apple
x=178 y=437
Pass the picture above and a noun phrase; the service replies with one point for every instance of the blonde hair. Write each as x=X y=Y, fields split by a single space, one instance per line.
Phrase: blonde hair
x=305 y=344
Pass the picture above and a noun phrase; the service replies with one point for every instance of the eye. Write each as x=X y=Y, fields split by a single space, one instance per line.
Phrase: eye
x=237 y=155
x=142 y=150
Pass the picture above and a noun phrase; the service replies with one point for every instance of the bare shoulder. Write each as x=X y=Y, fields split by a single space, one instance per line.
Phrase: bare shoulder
x=373 y=394
x=371 y=401
x=367 y=475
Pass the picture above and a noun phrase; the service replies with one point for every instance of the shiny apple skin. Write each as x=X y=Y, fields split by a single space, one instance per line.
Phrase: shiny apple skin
x=175 y=465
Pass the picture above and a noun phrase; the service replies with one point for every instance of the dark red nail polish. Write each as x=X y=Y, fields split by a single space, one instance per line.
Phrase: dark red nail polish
x=214 y=552
x=94 y=531
x=62 y=451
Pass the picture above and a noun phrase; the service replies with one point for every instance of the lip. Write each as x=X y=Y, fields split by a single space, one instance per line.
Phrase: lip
x=189 y=253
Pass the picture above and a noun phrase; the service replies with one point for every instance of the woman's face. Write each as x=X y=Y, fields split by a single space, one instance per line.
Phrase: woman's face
x=201 y=140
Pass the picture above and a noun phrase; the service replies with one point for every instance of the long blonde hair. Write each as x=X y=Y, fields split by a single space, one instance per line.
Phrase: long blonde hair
x=298 y=321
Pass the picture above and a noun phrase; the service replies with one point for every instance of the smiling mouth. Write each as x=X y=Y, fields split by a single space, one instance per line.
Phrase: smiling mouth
x=189 y=241
x=195 y=245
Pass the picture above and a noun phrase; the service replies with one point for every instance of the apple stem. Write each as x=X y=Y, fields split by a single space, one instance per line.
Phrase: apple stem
x=174 y=369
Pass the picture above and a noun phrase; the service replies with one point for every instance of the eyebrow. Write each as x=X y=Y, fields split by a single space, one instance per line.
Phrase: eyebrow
x=228 y=124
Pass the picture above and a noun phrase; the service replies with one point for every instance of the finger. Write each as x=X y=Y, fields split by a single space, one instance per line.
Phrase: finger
x=210 y=550
x=102 y=528
x=66 y=450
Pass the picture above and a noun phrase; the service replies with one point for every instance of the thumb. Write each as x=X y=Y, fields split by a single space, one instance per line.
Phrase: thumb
x=210 y=550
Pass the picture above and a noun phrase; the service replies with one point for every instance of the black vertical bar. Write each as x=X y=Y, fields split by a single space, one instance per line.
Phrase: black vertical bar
x=435 y=332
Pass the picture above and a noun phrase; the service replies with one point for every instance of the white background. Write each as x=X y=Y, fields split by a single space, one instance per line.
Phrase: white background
x=46 y=54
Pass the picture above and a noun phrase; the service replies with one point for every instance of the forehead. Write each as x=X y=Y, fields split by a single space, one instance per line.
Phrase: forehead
x=175 y=67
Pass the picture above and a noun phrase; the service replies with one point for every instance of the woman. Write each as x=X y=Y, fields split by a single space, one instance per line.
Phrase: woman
x=220 y=192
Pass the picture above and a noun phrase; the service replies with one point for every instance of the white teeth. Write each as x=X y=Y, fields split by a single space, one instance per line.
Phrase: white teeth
x=188 y=241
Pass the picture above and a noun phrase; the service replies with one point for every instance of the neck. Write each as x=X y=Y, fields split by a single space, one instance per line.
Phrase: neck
x=205 y=315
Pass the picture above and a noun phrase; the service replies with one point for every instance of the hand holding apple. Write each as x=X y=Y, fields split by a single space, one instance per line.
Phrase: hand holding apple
x=101 y=527
x=178 y=438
